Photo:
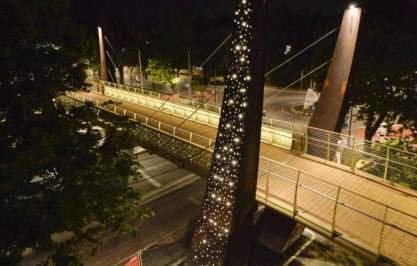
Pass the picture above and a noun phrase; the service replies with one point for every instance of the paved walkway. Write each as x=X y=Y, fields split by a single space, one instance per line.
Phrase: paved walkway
x=380 y=194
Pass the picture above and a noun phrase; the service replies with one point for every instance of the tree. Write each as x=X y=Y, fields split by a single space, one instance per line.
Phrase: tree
x=382 y=75
x=64 y=173
x=390 y=99
x=162 y=70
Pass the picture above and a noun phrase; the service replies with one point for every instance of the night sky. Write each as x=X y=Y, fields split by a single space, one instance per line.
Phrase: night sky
x=145 y=12
x=168 y=28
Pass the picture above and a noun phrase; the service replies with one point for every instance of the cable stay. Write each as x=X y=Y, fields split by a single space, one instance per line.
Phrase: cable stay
x=192 y=74
x=302 y=51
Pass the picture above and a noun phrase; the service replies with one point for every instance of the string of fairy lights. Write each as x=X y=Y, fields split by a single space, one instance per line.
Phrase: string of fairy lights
x=212 y=234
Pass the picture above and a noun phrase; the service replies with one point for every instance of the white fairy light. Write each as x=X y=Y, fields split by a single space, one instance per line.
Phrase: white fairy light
x=217 y=214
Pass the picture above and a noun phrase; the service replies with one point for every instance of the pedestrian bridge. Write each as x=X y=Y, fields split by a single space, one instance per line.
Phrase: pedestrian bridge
x=357 y=193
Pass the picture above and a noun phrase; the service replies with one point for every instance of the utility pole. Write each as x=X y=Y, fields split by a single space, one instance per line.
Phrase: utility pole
x=301 y=81
x=140 y=70
x=215 y=86
x=190 y=92
x=350 y=123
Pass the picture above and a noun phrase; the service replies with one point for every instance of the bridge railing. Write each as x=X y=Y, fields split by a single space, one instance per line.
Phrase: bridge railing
x=326 y=207
x=340 y=213
x=165 y=96
x=362 y=157
x=370 y=159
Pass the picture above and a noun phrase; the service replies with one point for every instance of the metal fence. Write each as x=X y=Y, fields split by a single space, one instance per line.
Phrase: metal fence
x=328 y=208
x=370 y=159
x=344 y=214
x=165 y=96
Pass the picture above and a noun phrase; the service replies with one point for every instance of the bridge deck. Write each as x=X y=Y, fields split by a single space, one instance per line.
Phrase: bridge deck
x=281 y=191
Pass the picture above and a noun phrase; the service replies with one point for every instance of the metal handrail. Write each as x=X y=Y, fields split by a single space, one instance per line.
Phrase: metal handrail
x=110 y=84
x=383 y=170
x=300 y=184
x=261 y=157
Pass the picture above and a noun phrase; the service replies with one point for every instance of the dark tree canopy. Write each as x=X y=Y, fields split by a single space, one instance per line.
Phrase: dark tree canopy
x=61 y=184
x=383 y=77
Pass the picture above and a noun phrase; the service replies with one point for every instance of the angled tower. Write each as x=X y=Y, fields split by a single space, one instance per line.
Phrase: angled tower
x=223 y=230
x=330 y=111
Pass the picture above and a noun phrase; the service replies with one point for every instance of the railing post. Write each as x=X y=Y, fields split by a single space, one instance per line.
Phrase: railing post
x=174 y=131
x=382 y=231
x=386 y=164
x=335 y=211
x=159 y=126
x=191 y=136
x=134 y=116
x=328 y=146
x=210 y=142
x=146 y=120
x=267 y=182
x=353 y=155
x=296 y=194
x=97 y=104
x=306 y=141
x=115 y=110
x=124 y=112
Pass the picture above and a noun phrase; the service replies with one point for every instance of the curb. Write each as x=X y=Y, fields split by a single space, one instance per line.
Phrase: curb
x=295 y=111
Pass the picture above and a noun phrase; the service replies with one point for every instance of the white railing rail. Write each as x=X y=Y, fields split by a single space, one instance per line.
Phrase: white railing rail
x=350 y=153
x=338 y=211
x=321 y=205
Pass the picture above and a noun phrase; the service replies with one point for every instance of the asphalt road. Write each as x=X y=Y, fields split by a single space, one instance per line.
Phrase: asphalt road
x=165 y=237
x=175 y=195
x=174 y=208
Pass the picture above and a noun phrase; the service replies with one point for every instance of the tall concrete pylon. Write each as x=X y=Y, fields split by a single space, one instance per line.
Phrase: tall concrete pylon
x=103 y=65
x=330 y=111
x=222 y=234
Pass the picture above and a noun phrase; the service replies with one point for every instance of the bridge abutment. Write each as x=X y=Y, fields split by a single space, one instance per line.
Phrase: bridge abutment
x=276 y=231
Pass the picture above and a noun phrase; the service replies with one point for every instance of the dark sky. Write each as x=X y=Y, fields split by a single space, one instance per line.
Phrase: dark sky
x=144 y=12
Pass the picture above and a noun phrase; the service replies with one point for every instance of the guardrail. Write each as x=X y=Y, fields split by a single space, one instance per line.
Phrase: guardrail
x=328 y=208
x=165 y=96
x=274 y=136
x=361 y=157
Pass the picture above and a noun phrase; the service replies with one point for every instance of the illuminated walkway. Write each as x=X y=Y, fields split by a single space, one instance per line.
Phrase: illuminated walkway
x=367 y=215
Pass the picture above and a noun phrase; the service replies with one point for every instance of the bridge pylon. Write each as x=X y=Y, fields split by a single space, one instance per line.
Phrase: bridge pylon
x=331 y=108
x=222 y=235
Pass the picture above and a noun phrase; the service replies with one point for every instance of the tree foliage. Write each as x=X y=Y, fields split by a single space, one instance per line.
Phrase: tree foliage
x=383 y=79
x=61 y=184
x=162 y=70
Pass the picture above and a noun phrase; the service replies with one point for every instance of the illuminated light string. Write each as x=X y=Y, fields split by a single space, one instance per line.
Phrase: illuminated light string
x=212 y=234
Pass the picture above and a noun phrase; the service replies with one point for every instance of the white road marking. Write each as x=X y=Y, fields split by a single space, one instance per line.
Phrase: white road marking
x=155 y=166
x=150 y=179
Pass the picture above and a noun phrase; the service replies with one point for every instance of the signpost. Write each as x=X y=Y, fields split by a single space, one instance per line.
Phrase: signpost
x=312 y=97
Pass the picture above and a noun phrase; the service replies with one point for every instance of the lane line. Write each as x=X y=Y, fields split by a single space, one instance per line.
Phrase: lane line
x=152 y=181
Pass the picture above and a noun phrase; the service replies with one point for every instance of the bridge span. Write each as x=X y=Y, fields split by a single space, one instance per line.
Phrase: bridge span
x=347 y=204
